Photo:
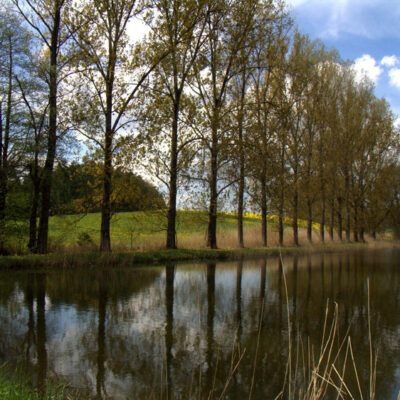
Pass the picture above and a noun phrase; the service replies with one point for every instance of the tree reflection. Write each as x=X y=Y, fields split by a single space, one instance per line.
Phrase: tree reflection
x=210 y=326
x=126 y=329
x=29 y=302
x=101 y=336
x=239 y=275
x=169 y=320
x=41 y=331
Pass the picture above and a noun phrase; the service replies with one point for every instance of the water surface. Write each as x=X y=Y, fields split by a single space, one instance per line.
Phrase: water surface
x=202 y=330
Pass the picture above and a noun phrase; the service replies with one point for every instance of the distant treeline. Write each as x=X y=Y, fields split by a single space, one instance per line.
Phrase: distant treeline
x=77 y=189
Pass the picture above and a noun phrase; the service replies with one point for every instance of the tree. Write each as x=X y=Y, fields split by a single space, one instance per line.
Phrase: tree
x=107 y=84
x=180 y=31
x=46 y=18
x=15 y=42
x=301 y=67
x=268 y=80
x=314 y=125
x=229 y=27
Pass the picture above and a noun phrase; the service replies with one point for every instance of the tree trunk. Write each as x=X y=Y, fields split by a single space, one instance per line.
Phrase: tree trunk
x=295 y=215
x=105 y=240
x=241 y=187
x=240 y=206
x=309 y=220
x=332 y=220
x=33 y=217
x=322 y=222
x=4 y=143
x=281 y=230
x=212 y=214
x=52 y=135
x=340 y=218
x=3 y=185
x=171 y=228
x=281 y=195
x=355 y=221
x=347 y=205
x=361 y=222
x=264 y=224
x=241 y=160
x=281 y=205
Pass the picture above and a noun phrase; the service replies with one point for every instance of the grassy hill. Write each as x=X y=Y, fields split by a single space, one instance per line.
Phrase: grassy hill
x=147 y=230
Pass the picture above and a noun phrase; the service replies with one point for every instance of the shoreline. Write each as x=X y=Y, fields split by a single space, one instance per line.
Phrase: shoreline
x=141 y=258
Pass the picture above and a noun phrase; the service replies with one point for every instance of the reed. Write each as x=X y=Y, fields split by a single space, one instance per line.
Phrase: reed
x=312 y=372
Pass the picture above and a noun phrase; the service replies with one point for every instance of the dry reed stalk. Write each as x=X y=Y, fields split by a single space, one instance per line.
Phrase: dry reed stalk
x=232 y=373
x=322 y=372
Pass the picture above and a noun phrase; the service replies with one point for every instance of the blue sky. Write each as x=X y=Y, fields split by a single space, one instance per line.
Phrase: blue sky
x=364 y=31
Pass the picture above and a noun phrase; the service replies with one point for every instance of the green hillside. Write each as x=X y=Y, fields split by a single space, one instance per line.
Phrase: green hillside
x=143 y=230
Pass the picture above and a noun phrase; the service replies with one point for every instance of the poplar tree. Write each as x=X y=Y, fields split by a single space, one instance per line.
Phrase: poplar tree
x=267 y=84
x=15 y=42
x=47 y=20
x=112 y=69
x=228 y=29
x=180 y=30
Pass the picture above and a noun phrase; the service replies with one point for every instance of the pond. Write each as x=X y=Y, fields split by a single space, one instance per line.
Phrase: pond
x=235 y=330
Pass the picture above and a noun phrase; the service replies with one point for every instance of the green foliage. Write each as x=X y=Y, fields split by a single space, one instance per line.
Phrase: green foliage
x=77 y=188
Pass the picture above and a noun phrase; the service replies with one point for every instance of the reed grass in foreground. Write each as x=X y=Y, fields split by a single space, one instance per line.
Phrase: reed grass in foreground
x=312 y=372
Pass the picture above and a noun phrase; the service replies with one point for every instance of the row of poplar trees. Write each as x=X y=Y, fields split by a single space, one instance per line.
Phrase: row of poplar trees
x=218 y=96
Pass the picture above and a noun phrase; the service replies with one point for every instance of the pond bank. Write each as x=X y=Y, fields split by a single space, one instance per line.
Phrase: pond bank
x=129 y=259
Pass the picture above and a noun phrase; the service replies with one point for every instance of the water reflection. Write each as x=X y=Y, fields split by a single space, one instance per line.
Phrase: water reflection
x=197 y=331
x=101 y=337
x=169 y=321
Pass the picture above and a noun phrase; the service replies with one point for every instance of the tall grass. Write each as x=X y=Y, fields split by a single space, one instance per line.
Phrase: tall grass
x=312 y=372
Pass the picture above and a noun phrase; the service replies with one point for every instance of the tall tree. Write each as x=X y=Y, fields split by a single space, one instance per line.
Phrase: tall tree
x=268 y=80
x=46 y=18
x=229 y=26
x=108 y=84
x=15 y=44
x=180 y=29
x=301 y=66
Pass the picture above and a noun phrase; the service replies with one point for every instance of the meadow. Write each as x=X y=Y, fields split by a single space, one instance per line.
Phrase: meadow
x=146 y=231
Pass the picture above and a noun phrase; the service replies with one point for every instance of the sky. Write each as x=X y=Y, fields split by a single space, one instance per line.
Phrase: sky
x=364 y=31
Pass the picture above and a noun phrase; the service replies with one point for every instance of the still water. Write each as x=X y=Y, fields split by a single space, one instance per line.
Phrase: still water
x=204 y=330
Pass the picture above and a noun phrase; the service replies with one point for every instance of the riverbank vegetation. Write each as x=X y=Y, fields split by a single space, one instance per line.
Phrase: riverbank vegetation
x=223 y=105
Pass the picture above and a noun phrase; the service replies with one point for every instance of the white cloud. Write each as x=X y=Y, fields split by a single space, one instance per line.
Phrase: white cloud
x=394 y=75
x=366 y=66
x=389 y=61
x=331 y=19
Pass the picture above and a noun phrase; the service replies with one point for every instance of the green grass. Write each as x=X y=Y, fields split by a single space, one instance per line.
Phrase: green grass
x=136 y=230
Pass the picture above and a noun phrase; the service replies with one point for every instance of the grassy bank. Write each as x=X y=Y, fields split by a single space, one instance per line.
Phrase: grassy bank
x=128 y=259
x=146 y=231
